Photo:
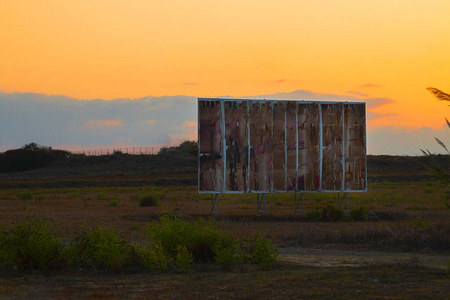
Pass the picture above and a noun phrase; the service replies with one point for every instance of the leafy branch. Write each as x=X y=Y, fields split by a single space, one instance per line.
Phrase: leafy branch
x=438 y=171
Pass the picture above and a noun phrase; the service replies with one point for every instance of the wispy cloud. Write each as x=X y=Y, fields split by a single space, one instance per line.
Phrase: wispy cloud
x=280 y=80
x=373 y=103
x=60 y=120
x=190 y=124
x=190 y=83
x=369 y=85
x=357 y=93
x=372 y=116
x=101 y=123
x=148 y=121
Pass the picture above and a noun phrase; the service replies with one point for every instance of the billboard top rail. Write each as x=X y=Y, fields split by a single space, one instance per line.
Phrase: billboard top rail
x=283 y=100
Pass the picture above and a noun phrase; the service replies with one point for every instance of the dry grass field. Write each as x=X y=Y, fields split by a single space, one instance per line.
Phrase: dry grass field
x=402 y=252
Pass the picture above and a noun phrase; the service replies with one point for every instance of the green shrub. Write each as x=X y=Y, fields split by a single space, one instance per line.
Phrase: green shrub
x=25 y=195
x=260 y=251
x=428 y=190
x=420 y=224
x=30 y=245
x=228 y=253
x=200 y=240
x=448 y=267
x=325 y=214
x=183 y=258
x=174 y=242
x=149 y=199
x=39 y=198
x=199 y=237
x=154 y=257
x=358 y=214
x=113 y=203
x=103 y=248
x=314 y=215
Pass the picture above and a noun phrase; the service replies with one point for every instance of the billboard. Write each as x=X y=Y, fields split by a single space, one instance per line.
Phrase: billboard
x=270 y=146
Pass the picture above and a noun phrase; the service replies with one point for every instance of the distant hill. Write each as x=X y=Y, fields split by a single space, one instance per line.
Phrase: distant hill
x=182 y=164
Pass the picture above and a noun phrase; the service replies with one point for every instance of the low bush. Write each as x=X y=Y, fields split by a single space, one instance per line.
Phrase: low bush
x=154 y=257
x=174 y=243
x=202 y=241
x=260 y=251
x=358 y=214
x=30 y=245
x=101 y=248
x=149 y=199
x=199 y=237
x=25 y=195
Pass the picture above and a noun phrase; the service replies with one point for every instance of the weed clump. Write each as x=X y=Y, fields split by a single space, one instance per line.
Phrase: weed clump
x=358 y=214
x=325 y=214
x=25 y=195
x=149 y=199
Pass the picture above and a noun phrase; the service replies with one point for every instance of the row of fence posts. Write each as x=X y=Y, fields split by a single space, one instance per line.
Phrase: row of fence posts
x=130 y=151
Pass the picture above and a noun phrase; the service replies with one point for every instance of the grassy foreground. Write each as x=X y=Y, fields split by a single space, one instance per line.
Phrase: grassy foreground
x=415 y=221
x=205 y=282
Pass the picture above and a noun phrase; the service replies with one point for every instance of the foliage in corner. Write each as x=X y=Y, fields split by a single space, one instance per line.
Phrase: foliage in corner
x=437 y=170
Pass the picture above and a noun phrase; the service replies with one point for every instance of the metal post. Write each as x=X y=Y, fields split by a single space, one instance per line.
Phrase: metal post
x=348 y=204
x=340 y=202
x=260 y=202
x=297 y=202
x=214 y=200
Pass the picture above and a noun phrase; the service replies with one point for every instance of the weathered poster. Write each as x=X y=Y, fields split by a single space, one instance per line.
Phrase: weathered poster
x=210 y=146
x=265 y=146
x=332 y=146
x=355 y=147
x=308 y=147
x=236 y=139
x=278 y=146
x=261 y=147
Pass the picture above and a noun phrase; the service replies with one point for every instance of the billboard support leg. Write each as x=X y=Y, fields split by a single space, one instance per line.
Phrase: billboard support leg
x=260 y=202
x=341 y=201
x=214 y=200
x=348 y=205
x=296 y=204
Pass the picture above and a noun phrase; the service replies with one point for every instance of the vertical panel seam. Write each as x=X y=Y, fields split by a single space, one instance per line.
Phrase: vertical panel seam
x=320 y=147
x=343 y=148
x=224 y=145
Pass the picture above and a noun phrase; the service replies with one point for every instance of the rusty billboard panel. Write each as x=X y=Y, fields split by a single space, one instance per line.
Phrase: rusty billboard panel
x=291 y=146
x=210 y=146
x=278 y=146
x=260 y=118
x=355 y=147
x=236 y=139
x=332 y=146
x=265 y=146
x=309 y=146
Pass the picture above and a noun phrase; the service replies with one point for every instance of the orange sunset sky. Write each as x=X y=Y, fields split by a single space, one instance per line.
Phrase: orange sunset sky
x=108 y=49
